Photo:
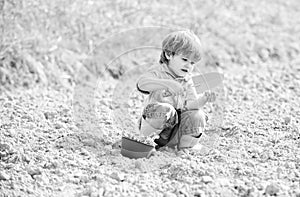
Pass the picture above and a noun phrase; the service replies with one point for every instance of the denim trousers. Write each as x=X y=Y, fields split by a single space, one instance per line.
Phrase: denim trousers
x=181 y=128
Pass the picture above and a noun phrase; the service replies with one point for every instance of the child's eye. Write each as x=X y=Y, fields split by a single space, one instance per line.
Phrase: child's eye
x=184 y=59
x=192 y=63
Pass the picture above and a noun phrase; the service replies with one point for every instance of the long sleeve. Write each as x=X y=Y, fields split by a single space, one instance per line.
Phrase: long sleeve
x=191 y=93
x=147 y=83
x=191 y=99
x=153 y=81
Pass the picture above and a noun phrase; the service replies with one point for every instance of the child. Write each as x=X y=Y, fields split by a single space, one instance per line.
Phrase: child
x=173 y=109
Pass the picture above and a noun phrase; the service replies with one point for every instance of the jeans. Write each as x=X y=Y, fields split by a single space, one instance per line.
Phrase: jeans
x=177 y=128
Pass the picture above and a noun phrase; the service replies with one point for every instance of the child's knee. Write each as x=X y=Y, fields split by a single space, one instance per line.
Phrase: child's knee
x=198 y=118
x=157 y=116
x=159 y=111
x=192 y=123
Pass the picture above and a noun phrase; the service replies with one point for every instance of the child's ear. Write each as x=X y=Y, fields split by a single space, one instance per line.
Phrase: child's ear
x=167 y=56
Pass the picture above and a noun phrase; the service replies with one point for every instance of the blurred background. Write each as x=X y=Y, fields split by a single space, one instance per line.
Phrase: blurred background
x=47 y=42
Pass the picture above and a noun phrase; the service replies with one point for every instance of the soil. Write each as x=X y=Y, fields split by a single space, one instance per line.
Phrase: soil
x=45 y=151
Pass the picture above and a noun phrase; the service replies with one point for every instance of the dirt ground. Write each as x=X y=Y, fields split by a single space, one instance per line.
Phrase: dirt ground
x=45 y=152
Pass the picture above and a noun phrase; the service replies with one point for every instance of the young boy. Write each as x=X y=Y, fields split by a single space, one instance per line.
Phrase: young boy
x=173 y=109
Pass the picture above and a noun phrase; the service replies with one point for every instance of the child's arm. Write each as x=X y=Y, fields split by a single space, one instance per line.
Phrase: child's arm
x=201 y=101
x=150 y=83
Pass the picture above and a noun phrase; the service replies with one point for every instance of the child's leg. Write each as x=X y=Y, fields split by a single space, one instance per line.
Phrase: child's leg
x=191 y=126
x=156 y=117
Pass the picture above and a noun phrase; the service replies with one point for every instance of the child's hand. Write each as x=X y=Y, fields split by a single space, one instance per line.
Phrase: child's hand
x=209 y=96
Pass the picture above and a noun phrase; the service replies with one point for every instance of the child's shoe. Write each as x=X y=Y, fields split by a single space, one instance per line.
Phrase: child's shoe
x=164 y=137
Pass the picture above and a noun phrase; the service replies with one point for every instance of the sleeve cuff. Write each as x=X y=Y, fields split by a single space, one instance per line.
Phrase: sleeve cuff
x=142 y=91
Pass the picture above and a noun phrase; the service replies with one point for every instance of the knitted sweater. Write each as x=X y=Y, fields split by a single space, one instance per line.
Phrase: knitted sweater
x=161 y=71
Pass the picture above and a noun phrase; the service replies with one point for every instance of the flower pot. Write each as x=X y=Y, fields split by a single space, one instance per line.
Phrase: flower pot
x=134 y=149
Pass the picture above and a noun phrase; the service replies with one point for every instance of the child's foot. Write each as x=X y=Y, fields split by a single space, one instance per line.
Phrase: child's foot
x=163 y=137
x=197 y=147
x=161 y=142
x=157 y=147
x=201 y=149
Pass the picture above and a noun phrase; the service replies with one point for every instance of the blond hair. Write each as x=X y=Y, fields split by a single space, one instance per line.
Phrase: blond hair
x=184 y=43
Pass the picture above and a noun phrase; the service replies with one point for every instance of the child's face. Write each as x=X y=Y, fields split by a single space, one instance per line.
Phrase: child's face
x=180 y=65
